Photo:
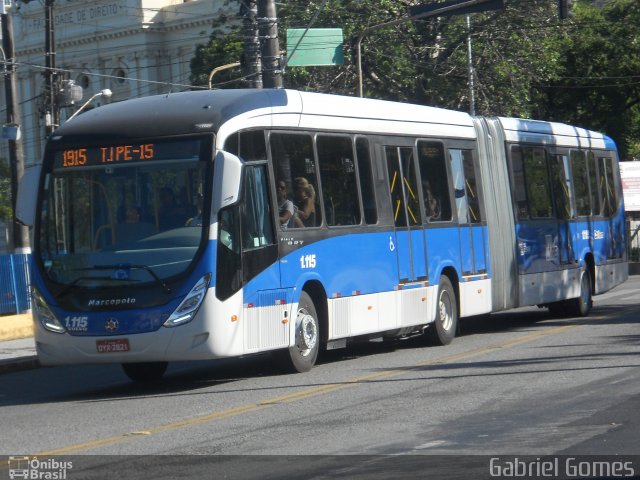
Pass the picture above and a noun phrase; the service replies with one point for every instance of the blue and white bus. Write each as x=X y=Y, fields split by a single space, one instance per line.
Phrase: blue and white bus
x=202 y=225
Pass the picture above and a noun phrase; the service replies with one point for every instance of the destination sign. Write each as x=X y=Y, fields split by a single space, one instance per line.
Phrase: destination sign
x=125 y=153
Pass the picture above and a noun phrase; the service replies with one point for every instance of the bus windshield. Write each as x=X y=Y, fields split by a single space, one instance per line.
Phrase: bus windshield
x=123 y=214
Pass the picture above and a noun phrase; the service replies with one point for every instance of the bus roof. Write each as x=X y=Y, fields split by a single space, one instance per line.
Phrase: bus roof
x=553 y=133
x=226 y=111
x=208 y=110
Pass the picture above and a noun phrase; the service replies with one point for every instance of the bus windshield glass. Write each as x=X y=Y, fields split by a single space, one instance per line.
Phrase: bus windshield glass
x=123 y=214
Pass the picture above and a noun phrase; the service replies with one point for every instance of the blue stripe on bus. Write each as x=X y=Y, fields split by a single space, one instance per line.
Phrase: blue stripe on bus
x=360 y=264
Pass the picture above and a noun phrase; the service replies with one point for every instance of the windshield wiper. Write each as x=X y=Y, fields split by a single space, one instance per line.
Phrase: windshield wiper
x=120 y=266
x=126 y=266
x=77 y=280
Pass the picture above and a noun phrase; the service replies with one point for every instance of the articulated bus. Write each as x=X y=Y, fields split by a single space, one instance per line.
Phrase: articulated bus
x=211 y=224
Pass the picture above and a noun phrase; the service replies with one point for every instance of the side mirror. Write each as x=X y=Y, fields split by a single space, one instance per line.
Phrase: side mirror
x=28 y=195
x=227 y=176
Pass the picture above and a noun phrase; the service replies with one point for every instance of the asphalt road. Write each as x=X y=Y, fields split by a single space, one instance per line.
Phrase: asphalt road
x=513 y=385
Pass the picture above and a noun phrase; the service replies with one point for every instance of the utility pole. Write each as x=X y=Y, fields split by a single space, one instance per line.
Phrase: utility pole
x=270 y=47
x=251 y=62
x=16 y=152
x=51 y=110
x=472 y=90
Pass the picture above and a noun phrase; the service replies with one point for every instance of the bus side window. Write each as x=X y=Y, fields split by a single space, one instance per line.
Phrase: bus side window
x=435 y=183
x=248 y=145
x=561 y=184
x=596 y=206
x=457 y=171
x=537 y=180
x=607 y=186
x=365 y=176
x=229 y=264
x=257 y=228
x=518 y=188
x=580 y=183
x=472 y=186
x=338 y=175
x=294 y=164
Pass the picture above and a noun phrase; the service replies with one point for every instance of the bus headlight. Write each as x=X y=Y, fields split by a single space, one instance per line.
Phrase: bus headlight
x=45 y=315
x=191 y=303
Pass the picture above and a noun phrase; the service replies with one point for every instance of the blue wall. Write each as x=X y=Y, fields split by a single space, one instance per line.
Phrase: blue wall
x=14 y=284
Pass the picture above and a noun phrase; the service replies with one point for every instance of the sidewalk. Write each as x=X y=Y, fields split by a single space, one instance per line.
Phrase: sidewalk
x=17 y=346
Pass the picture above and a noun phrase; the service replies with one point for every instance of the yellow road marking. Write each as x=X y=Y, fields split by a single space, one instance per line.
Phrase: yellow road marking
x=298 y=395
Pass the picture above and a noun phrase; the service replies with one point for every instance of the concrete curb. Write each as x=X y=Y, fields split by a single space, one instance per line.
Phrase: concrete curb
x=16 y=326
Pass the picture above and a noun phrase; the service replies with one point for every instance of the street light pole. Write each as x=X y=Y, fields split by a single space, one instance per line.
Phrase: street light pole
x=106 y=93
x=220 y=69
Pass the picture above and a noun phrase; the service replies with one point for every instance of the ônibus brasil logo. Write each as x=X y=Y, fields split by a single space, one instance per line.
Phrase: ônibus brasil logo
x=33 y=468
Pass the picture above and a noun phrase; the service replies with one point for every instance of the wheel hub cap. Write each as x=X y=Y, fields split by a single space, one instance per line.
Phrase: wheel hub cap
x=307 y=336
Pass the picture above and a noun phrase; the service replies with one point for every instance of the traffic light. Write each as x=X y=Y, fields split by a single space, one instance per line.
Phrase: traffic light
x=563 y=8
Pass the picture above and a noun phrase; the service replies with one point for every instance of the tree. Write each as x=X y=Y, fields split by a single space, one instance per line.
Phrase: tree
x=528 y=63
x=224 y=47
x=596 y=85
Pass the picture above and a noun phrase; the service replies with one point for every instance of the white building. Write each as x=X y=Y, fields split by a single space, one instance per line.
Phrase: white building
x=132 y=47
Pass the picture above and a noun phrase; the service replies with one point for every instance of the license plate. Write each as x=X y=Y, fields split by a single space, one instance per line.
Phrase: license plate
x=113 y=346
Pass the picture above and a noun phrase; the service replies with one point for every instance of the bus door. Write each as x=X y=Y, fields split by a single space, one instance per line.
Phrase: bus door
x=583 y=230
x=472 y=232
x=409 y=242
x=561 y=185
x=615 y=226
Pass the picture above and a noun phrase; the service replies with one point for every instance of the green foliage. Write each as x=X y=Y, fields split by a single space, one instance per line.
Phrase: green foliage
x=527 y=62
x=599 y=60
x=5 y=191
x=224 y=47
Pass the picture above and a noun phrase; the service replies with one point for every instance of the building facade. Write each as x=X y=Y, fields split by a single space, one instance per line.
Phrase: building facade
x=134 y=48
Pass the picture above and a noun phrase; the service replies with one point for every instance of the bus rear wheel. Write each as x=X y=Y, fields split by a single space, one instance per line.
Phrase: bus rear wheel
x=302 y=356
x=581 y=306
x=443 y=330
x=145 y=372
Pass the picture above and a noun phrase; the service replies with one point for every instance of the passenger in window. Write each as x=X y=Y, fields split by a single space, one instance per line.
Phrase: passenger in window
x=171 y=215
x=133 y=229
x=431 y=202
x=196 y=221
x=133 y=215
x=286 y=209
x=304 y=199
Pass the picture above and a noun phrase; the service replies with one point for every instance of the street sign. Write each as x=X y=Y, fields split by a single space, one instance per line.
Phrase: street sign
x=314 y=47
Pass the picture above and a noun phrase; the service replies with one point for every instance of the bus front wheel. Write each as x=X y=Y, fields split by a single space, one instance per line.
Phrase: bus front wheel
x=302 y=356
x=443 y=330
x=145 y=372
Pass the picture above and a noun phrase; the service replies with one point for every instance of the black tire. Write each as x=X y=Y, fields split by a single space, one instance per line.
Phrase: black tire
x=557 y=309
x=145 y=372
x=443 y=330
x=581 y=306
x=302 y=356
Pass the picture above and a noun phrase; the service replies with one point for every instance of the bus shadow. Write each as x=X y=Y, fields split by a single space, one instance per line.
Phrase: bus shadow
x=99 y=383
